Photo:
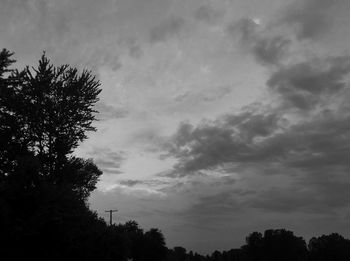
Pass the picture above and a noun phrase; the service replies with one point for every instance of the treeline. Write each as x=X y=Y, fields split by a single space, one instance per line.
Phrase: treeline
x=275 y=245
x=45 y=112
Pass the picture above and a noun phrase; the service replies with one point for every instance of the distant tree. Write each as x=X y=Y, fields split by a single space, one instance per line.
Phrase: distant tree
x=198 y=257
x=177 y=254
x=216 y=256
x=254 y=246
x=275 y=245
x=180 y=253
x=237 y=255
x=154 y=248
x=190 y=254
x=134 y=236
x=331 y=247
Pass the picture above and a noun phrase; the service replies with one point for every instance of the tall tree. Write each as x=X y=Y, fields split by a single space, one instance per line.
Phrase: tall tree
x=10 y=146
x=47 y=112
x=44 y=113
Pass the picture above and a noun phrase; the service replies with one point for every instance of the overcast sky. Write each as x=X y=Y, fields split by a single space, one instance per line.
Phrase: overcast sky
x=217 y=117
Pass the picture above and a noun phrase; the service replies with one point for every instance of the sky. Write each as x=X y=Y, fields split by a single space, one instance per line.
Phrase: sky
x=217 y=117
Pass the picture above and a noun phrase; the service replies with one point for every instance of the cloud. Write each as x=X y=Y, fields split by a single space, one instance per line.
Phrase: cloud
x=306 y=84
x=308 y=152
x=207 y=14
x=311 y=18
x=38 y=15
x=287 y=201
x=99 y=58
x=215 y=93
x=266 y=48
x=263 y=139
x=299 y=167
x=221 y=203
x=63 y=30
x=301 y=139
x=135 y=50
x=308 y=195
x=108 y=112
x=130 y=183
x=167 y=29
x=148 y=182
x=270 y=50
x=231 y=139
x=107 y=160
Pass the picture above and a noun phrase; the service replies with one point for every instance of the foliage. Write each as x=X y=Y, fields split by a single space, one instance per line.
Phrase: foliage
x=45 y=113
x=275 y=244
x=329 y=247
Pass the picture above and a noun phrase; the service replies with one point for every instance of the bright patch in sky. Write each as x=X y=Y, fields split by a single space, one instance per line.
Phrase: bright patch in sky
x=257 y=21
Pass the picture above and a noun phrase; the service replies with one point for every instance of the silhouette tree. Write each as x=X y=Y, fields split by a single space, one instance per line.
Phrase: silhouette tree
x=180 y=253
x=177 y=254
x=9 y=129
x=44 y=113
x=216 y=256
x=329 y=247
x=154 y=246
x=278 y=244
x=254 y=246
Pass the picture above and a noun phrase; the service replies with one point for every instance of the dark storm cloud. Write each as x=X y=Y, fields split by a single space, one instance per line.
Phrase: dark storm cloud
x=266 y=49
x=253 y=138
x=311 y=18
x=323 y=143
x=167 y=29
x=227 y=140
x=314 y=154
x=270 y=50
x=311 y=153
x=107 y=160
x=258 y=139
x=303 y=85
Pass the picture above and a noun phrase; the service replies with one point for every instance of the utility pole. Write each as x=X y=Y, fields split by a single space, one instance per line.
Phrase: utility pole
x=110 y=215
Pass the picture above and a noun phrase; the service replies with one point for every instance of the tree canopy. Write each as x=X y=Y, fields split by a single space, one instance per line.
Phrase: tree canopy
x=45 y=113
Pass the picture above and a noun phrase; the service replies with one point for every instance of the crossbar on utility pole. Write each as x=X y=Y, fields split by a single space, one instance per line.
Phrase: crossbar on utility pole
x=110 y=215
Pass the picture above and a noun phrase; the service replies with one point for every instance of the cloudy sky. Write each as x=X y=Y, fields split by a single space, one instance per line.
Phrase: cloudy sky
x=217 y=117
